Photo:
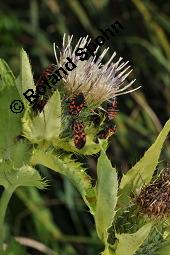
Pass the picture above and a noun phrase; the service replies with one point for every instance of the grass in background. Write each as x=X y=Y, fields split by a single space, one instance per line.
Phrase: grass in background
x=63 y=221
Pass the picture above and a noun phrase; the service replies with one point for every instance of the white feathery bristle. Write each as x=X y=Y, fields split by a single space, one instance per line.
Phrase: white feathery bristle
x=97 y=81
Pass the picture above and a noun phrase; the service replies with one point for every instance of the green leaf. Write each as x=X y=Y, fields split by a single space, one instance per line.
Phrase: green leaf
x=10 y=125
x=107 y=187
x=108 y=251
x=21 y=152
x=89 y=148
x=73 y=170
x=25 y=80
x=165 y=250
x=7 y=77
x=28 y=176
x=19 y=155
x=141 y=173
x=24 y=176
x=46 y=126
x=129 y=243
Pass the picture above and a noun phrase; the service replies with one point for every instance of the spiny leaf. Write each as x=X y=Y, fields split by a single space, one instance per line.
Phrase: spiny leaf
x=10 y=125
x=21 y=152
x=107 y=187
x=25 y=80
x=46 y=126
x=24 y=176
x=19 y=156
x=73 y=170
x=28 y=176
x=142 y=172
x=129 y=243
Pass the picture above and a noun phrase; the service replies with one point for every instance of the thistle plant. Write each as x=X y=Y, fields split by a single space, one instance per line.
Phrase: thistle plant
x=66 y=125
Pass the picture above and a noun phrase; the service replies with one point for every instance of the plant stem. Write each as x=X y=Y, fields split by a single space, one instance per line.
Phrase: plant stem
x=6 y=195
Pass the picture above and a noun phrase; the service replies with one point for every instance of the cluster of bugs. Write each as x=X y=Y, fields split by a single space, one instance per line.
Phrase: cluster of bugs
x=74 y=106
x=154 y=199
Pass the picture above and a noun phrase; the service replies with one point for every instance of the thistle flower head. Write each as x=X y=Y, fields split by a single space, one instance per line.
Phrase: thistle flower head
x=98 y=82
x=154 y=199
x=84 y=113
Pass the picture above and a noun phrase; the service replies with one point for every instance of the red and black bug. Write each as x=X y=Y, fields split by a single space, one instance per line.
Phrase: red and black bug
x=112 y=110
x=79 y=135
x=76 y=104
x=41 y=89
x=109 y=130
x=43 y=79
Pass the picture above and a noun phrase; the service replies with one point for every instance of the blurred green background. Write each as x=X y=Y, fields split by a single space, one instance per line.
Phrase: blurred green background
x=57 y=217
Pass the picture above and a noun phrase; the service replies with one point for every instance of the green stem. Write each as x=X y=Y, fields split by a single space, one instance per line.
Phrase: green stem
x=6 y=195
